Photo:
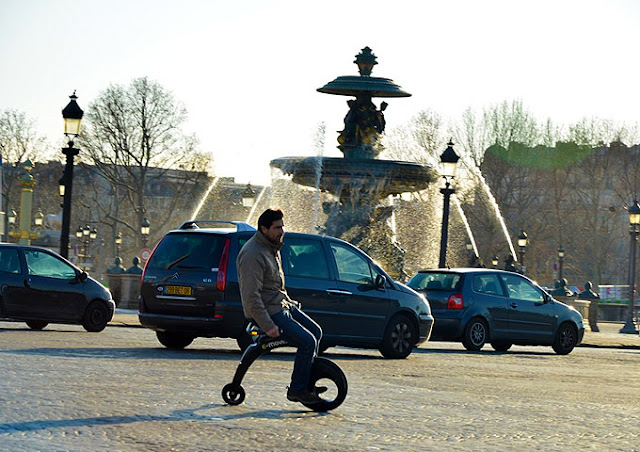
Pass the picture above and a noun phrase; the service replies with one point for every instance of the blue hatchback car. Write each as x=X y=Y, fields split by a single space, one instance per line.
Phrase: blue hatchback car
x=476 y=306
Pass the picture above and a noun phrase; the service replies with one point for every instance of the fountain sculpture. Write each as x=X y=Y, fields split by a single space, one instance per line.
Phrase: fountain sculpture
x=360 y=182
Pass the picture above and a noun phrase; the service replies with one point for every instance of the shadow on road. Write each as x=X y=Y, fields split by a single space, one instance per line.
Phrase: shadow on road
x=186 y=414
x=486 y=351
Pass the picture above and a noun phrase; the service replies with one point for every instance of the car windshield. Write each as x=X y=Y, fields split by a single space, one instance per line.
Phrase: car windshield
x=188 y=251
x=435 y=281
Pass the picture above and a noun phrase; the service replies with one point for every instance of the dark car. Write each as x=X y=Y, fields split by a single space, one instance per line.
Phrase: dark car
x=476 y=306
x=190 y=289
x=40 y=287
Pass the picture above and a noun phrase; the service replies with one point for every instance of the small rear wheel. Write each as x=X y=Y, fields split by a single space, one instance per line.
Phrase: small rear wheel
x=232 y=394
x=36 y=324
x=327 y=375
x=174 y=340
x=476 y=334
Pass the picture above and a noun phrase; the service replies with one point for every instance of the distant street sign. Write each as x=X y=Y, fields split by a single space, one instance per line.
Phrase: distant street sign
x=144 y=254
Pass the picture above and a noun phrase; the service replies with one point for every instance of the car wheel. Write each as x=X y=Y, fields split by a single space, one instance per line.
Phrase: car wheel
x=476 y=334
x=501 y=346
x=95 y=317
x=36 y=324
x=174 y=340
x=399 y=338
x=566 y=339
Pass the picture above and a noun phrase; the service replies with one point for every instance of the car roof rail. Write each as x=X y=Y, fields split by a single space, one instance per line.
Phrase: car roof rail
x=241 y=226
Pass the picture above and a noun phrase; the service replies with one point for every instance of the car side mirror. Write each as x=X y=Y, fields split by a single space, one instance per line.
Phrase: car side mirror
x=82 y=276
x=380 y=281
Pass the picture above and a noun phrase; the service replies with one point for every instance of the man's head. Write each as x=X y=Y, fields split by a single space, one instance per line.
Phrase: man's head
x=271 y=225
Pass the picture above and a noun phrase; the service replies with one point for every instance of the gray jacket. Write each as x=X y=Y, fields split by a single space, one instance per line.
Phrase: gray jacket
x=261 y=280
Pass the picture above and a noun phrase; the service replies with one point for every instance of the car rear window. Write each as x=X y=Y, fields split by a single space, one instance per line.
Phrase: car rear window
x=435 y=281
x=188 y=251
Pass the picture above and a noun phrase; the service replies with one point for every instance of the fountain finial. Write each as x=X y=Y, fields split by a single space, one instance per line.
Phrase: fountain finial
x=365 y=61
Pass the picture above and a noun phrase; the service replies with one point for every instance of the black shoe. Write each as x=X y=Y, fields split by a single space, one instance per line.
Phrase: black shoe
x=303 y=397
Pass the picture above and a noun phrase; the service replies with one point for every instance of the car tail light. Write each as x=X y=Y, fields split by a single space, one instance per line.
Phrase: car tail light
x=147 y=263
x=221 y=281
x=455 y=301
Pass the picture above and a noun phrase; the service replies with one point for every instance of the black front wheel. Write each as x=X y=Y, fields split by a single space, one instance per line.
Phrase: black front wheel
x=329 y=381
x=96 y=317
x=399 y=338
x=232 y=394
x=566 y=339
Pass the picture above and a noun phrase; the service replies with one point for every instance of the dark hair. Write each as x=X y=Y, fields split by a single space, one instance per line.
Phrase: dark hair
x=269 y=216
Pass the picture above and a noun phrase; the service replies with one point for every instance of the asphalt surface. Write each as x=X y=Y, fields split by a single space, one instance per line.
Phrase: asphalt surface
x=63 y=388
x=609 y=335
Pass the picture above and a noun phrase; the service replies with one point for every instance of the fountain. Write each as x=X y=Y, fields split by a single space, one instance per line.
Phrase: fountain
x=360 y=182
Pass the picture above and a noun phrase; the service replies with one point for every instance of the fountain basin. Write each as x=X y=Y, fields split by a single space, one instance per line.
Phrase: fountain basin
x=334 y=174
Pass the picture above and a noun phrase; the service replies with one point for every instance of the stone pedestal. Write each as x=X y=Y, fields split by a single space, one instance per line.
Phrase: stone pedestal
x=125 y=288
x=582 y=306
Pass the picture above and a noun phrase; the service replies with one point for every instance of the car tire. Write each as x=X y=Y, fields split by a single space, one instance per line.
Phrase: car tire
x=501 y=346
x=36 y=324
x=476 y=334
x=174 y=340
x=399 y=338
x=96 y=317
x=566 y=339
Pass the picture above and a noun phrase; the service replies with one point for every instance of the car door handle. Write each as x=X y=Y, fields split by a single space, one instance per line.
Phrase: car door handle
x=27 y=282
x=514 y=305
x=338 y=292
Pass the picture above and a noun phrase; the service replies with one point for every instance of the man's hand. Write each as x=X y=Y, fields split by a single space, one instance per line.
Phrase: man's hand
x=273 y=332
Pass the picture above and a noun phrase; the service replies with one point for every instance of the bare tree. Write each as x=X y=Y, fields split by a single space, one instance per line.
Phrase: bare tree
x=19 y=141
x=419 y=141
x=134 y=139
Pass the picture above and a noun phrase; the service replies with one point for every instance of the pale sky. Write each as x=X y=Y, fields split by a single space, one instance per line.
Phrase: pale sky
x=247 y=70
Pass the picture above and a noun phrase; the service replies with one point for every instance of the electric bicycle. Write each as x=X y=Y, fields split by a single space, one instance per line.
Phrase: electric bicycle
x=327 y=379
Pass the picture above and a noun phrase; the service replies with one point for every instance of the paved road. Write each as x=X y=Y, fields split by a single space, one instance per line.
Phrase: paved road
x=66 y=389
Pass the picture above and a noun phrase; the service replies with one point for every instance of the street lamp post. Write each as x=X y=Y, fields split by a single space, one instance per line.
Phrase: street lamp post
x=86 y=231
x=118 y=241
x=494 y=261
x=23 y=231
x=93 y=235
x=72 y=115
x=144 y=230
x=523 y=241
x=449 y=162
x=560 y=260
x=634 y=228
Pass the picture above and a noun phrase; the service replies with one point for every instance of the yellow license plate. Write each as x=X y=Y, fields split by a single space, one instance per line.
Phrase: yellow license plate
x=177 y=290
